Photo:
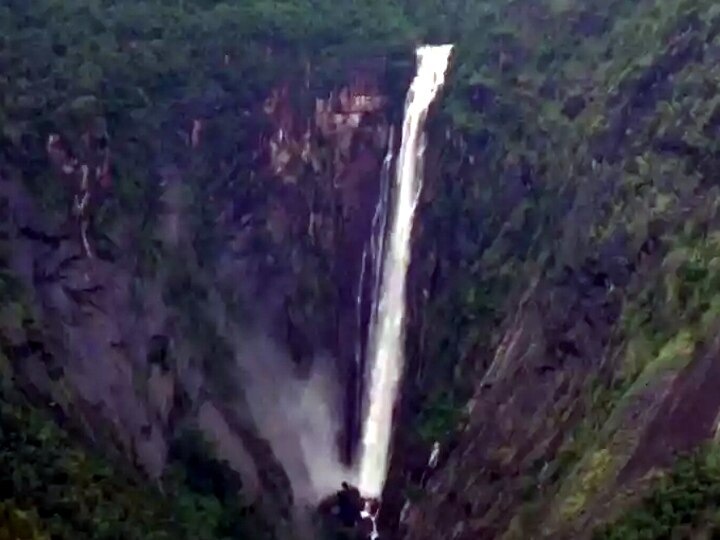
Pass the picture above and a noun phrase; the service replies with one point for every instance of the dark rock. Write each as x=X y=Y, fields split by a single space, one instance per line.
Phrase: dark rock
x=158 y=352
x=569 y=348
x=350 y=504
x=591 y=24
x=55 y=373
x=542 y=370
x=573 y=106
x=482 y=97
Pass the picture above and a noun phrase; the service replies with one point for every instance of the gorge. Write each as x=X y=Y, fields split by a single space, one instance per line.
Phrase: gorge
x=195 y=201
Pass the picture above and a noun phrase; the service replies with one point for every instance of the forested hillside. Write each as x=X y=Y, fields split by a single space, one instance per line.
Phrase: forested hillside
x=577 y=285
x=176 y=174
x=128 y=86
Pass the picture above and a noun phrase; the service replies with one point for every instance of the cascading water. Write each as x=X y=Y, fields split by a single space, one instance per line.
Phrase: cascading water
x=385 y=344
x=370 y=271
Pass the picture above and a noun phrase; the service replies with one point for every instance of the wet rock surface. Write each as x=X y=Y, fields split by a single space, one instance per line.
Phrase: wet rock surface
x=110 y=343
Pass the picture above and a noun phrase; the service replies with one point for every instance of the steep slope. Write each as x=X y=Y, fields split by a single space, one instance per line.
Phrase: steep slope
x=178 y=183
x=186 y=190
x=54 y=488
x=565 y=292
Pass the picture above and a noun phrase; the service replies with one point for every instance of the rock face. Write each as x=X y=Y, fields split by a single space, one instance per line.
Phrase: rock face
x=516 y=436
x=144 y=337
x=563 y=300
x=527 y=400
x=332 y=160
x=562 y=337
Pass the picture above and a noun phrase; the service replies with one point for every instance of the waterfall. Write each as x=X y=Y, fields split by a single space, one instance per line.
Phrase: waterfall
x=385 y=344
x=370 y=277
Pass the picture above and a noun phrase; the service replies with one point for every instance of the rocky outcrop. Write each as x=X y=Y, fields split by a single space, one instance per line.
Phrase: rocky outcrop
x=131 y=331
x=329 y=158
x=528 y=398
x=545 y=449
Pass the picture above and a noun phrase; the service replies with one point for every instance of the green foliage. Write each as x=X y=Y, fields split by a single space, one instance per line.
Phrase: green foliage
x=674 y=355
x=205 y=474
x=188 y=292
x=525 y=188
x=439 y=418
x=16 y=524
x=672 y=311
x=575 y=131
x=194 y=467
x=683 y=498
x=144 y=69
x=595 y=472
x=51 y=487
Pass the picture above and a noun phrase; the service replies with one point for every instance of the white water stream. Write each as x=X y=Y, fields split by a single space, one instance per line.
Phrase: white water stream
x=385 y=344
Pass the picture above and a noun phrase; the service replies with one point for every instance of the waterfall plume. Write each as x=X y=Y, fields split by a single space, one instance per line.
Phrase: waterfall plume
x=385 y=344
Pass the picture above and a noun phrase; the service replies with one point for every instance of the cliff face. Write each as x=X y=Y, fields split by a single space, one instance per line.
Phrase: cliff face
x=185 y=206
x=563 y=333
x=237 y=279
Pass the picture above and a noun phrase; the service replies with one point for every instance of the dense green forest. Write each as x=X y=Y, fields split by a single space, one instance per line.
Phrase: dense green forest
x=119 y=70
x=588 y=158
x=684 y=504
x=53 y=488
x=125 y=64
x=574 y=137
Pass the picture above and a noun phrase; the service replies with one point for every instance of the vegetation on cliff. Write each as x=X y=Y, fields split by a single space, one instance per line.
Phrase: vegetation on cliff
x=683 y=505
x=52 y=487
x=575 y=174
x=142 y=71
x=571 y=277
x=141 y=75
